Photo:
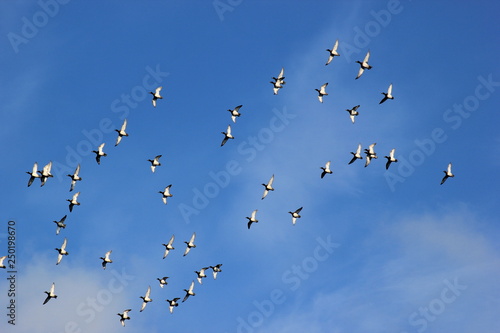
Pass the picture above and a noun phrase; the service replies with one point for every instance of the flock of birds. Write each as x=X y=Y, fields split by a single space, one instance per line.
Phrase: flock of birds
x=278 y=83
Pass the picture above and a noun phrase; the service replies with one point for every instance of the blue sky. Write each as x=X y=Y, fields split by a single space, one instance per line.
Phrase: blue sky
x=374 y=251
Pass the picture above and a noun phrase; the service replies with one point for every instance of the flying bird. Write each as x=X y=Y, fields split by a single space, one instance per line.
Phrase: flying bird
x=168 y=246
x=156 y=95
x=146 y=299
x=252 y=219
x=1 y=261
x=62 y=251
x=363 y=65
x=322 y=92
x=166 y=193
x=45 y=173
x=353 y=113
x=121 y=132
x=326 y=169
x=387 y=95
x=227 y=135
x=268 y=187
x=155 y=162
x=447 y=174
x=390 y=158
x=33 y=174
x=370 y=153
x=333 y=52
x=356 y=155
x=295 y=215
x=106 y=259
x=163 y=281
x=278 y=81
x=189 y=292
x=216 y=269
x=75 y=177
x=99 y=153
x=60 y=224
x=173 y=303
x=124 y=316
x=235 y=113
x=73 y=201
x=50 y=294
x=190 y=244
x=201 y=274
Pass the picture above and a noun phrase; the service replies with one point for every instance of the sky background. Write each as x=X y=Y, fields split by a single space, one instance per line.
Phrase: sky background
x=405 y=254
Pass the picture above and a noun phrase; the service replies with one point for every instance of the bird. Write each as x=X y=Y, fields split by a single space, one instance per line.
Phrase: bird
x=322 y=92
x=363 y=65
x=60 y=224
x=62 y=251
x=216 y=269
x=99 y=153
x=155 y=162
x=353 y=113
x=1 y=261
x=73 y=201
x=45 y=173
x=235 y=113
x=333 y=52
x=356 y=155
x=447 y=174
x=201 y=274
x=124 y=316
x=390 y=158
x=326 y=169
x=173 y=303
x=295 y=215
x=227 y=135
x=106 y=260
x=163 y=281
x=252 y=219
x=190 y=244
x=370 y=153
x=166 y=193
x=189 y=292
x=168 y=246
x=268 y=187
x=121 y=132
x=146 y=299
x=33 y=174
x=156 y=95
x=278 y=81
x=387 y=95
x=50 y=293
x=75 y=177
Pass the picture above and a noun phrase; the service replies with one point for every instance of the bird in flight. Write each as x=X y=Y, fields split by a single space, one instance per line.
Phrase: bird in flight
x=106 y=259
x=33 y=174
x=390 y=158
x=73 y=201
x=45 y=173
x=353 y=112
x=278 y=82
x=189 y=292
x=173 y=303
x=156 y=95
x=146 y=299
x=216 y=269
x=62 y=251
x=333 y=52
x=356 y=155
x=235 y=113
x=370 y=153
x=268 y=187
x=124 y=316
x=50 y=293
x=447 y=174
x=60 y=224
x=190 y=244
x=326 y=169
x=295 y=215
x=387 y=95
x=168 y=246
x=252 y=219
x=227 y=135
x=322 y=92
x=99 y=153
x=166 y=193
x=155 y=162
x=121 y=132
x=75 y=177
x=363 y=65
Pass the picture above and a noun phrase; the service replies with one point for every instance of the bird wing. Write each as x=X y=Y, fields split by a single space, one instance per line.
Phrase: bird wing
x=237 y=108
x=75 y=196
x=270 y=183
x=253 y=214
x=63 y=246
x=118 y=140
x=101 y=148
x=391 y=154
x=191 y=241
x=361 y=70
x=335 y=46
x=171 y=241
x=367 y=57
x=228 y=130
x=449 y=168
x=280 y=76
x=191 y=287
x=352 y=118
x=355 y=108
x=298 y=210
x=389 y=90
x=35 y=168
x=148 y=292
x=358 y=151
x=77 y=170
x=154 y=102
x=124 y=126
x=106 y=256
x=323 y=88
x=157 y=91
x=52 y=289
